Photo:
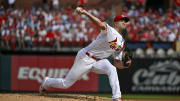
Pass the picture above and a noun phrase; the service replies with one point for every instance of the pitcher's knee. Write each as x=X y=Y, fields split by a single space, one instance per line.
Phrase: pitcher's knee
x=111 y=69
x=67 y=84
x=106 y=63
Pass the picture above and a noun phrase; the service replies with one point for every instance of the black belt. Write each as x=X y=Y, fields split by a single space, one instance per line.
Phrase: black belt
x=97 y=59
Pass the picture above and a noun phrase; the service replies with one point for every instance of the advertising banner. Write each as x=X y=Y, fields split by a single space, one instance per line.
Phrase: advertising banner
x=27 y=73
x=151 y=76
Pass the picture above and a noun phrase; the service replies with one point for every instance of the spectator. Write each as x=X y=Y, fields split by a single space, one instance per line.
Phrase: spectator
x=55 y=4
x=171 y=37
x=11 y=3
x=31 y=26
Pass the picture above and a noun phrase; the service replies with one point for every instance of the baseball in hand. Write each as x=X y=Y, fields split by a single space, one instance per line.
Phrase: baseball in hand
x=79 y=10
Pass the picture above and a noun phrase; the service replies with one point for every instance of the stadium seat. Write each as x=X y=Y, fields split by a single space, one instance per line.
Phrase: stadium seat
x=139 y=53
x=171 y=53
x=150 y=52
x=160 y=53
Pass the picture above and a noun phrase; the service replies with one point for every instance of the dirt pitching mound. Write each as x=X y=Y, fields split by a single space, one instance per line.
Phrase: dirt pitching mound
x=62 y=97
x=50 y=97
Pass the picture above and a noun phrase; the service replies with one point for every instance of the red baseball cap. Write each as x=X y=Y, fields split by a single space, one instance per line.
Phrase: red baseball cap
x=121 y=17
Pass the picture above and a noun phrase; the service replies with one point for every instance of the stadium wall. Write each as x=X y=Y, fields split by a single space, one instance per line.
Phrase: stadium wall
x=5 y=72
x=147 y=75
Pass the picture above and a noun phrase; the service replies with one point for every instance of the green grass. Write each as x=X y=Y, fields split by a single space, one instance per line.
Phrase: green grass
x=150 y=96
x=141 y=96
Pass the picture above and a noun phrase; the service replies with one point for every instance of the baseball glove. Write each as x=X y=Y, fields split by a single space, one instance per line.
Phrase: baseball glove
x=126 y=56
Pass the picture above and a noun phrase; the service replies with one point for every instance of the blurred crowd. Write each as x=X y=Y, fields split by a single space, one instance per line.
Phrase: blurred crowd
x=154 y=25
x=37 y=27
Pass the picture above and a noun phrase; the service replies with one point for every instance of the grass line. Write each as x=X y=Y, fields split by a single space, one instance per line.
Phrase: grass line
x=140 y=96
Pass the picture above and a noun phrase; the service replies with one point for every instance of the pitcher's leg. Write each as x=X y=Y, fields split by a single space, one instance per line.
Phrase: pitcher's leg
x=105 y=67
x=58 y=83
x=79 y=68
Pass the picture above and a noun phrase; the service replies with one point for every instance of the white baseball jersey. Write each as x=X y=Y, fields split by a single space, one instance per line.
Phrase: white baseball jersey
x=108 y=41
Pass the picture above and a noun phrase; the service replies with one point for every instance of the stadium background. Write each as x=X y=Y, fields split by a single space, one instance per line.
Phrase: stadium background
x=41 y=38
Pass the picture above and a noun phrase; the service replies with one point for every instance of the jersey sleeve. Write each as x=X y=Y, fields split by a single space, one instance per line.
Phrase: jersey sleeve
x=108 y=30
x=118 y=55
x=110 y=33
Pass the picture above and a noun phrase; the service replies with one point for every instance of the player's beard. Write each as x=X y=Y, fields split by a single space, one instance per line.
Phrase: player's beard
x=124 y=34
x=122 y=30
x=119 y=28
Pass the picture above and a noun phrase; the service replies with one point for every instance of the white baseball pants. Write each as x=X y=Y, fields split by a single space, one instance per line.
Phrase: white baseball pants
x=83 y=64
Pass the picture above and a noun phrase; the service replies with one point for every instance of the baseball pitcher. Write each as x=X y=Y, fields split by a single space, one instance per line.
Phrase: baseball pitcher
x=93 y=57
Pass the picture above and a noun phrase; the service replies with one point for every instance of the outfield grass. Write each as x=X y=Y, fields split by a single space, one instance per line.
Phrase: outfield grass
x=141 y=96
